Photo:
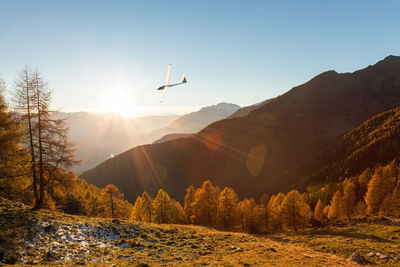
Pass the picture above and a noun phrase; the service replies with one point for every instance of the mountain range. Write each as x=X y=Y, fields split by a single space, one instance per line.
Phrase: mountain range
x=263 y=149
x=99 y=137
x=195 y=121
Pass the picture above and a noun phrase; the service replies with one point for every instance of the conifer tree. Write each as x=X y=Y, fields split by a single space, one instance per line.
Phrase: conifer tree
x=137 y=212
x=111 y=195
x=363 y=180
x=188 y=206
x=349 y=198
x=295 y=211
x=335 y=206
x=205 y=204
x=147 y=208
x=319 y=212
x=246 y=209
x=380 y=185
x=274 y=207
x=264 y=210
x=226 y=209
x=360 y=210
x=162 y=207
x=13 y=157
x=395 y=201
x=46 y=136
x=177 y=213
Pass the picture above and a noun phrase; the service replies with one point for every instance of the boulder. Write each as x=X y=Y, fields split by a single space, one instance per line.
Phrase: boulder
x=356 y=257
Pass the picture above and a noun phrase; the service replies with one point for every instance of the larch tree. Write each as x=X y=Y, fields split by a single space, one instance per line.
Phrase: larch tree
x=148 y=208
x=319 y=212
x=380 y=185
x=246 y=209
x=111 y=194
x=349 y=198
x=137 y=212
x=360 y=209
x=177 y=213
x=13 y=157
x=205 y=204
x=395 y=201
x=335 y=206
x=264 y=209
x=162 y=207
x=188 y=204
x=363 y=180
x=226 y=208
x=46 y=136
x=295 y=211
x=275 y=207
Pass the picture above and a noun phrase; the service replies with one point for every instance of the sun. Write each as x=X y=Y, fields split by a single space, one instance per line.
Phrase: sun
x=117 y=100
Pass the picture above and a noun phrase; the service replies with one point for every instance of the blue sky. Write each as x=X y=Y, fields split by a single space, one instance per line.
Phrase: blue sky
x=101 y=55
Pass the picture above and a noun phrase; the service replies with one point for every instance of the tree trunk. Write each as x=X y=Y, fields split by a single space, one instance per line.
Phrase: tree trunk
x=41 y=174
x=33 y=160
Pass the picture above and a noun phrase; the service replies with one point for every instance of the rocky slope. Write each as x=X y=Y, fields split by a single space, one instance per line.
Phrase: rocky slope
x=51 y=238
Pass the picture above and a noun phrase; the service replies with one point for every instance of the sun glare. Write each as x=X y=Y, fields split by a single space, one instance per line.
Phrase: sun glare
x=117 y=100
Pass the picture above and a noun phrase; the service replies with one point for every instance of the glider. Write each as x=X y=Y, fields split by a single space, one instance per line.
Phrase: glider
x=167 y=85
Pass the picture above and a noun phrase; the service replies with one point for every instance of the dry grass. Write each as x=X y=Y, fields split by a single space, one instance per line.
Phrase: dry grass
x=154 y=245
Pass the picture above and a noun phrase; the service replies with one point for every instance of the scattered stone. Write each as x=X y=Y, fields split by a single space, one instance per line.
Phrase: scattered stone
x=371 y=254
x=323 y=247
x=116 y=221
x=239 y=249
x=382 y=256
x=143 y=236
x=356 y=257
x=271 y=249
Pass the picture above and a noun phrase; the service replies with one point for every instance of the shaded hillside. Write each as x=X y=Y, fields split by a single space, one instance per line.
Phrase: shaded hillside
x=251 y=153
x=195 y=121
x=375 y=141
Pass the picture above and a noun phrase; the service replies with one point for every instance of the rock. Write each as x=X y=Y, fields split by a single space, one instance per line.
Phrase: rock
x=115 y=221
x=143 y=236
x=323 y=247
x=371 y=254
x=382 y=256
x=271 y=249
x=356 y=257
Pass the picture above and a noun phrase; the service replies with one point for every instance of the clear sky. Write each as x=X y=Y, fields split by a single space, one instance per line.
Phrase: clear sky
x=105 y=55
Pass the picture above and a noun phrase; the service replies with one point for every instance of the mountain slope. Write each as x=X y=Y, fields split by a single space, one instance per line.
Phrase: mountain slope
x=251 y=153
x=375 y=141
x=195 y=121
